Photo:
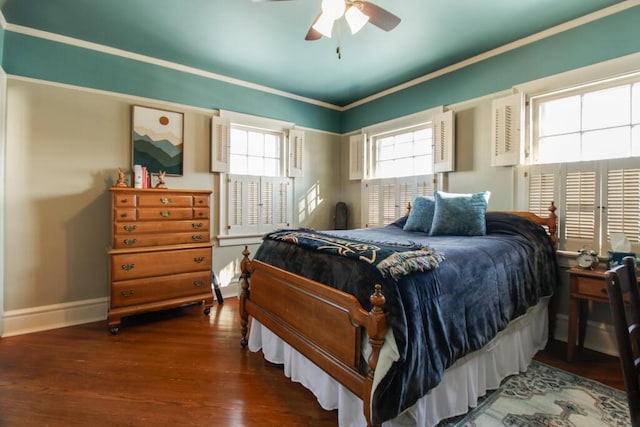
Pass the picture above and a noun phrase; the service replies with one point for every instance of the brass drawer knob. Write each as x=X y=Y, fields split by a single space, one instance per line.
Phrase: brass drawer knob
x=198 y=283
x=127 y=267
x=197 y=237
x=165 y=213
x=196 y=225
x=198 y=259
x=130 y=242
x=130 y=228
x=165 y=200
x=128 y=293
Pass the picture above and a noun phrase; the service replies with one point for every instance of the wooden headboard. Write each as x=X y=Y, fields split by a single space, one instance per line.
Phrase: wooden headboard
x=550 y=222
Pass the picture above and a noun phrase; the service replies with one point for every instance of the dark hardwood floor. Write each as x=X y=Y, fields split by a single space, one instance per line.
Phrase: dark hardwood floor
x=174 y=367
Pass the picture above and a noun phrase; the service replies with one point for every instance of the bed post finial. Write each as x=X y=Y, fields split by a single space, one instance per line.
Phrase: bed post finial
x=553 y=224
x=245 y=273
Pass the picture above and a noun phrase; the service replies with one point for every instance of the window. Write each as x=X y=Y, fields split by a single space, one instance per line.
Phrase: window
x=585 y=143
x=255 y=152
x=407 y=152
x=256 y=193
x=588 y=125
x=401 y=163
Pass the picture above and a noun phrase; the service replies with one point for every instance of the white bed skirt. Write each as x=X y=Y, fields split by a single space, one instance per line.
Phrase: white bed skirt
x=469 y=378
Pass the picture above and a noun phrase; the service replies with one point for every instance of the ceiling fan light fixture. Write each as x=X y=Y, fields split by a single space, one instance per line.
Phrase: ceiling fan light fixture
x=333 y=9
x=355 y=18
x=324 y=25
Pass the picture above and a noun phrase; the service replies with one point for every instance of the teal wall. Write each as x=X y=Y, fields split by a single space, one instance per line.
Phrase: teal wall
x=610 y=37
x=48 y=60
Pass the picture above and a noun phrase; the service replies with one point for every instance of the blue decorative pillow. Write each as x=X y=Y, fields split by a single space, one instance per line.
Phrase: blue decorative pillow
x=421 y=214
x=460 y=214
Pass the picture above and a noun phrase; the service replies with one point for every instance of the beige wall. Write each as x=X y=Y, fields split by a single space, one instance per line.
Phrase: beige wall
x=64 y=147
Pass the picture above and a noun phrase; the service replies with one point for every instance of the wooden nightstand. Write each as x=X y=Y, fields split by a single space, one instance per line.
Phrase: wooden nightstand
x=584 y=286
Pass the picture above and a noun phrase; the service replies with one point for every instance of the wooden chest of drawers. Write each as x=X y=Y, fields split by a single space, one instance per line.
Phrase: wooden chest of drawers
x=160 y=254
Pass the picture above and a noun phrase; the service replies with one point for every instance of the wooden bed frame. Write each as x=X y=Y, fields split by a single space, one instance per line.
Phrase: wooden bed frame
x=322 y=323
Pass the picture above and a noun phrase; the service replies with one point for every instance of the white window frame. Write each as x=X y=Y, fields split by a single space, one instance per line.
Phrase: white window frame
x=271 y=204
x=543 y=183
x=385 y=199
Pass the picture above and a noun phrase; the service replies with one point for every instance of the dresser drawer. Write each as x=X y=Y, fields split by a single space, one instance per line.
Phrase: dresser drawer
x=159 y=263
x=160 y=213
x=201 y=213
x=124 y=214
x=201 y=201
x=122 y=241
x=165 y=199
x=124 y=200
x=141 y=291
x=128 y=228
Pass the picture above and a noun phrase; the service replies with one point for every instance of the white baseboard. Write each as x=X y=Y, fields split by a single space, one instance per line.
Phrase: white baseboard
x=599 y=337
x=43 y=318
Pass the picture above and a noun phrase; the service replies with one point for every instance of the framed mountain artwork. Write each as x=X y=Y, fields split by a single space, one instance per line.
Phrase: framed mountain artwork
x=158 y=140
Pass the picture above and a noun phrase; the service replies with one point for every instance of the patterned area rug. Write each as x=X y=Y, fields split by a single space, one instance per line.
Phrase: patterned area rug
x=547 y=396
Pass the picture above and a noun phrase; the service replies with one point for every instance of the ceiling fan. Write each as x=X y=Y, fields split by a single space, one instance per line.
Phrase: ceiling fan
x=357 y=13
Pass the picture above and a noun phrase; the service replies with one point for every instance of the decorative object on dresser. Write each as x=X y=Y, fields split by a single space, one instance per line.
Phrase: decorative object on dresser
x=161 y=251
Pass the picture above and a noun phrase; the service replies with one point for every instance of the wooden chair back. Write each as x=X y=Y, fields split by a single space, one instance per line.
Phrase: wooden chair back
x=622 y=286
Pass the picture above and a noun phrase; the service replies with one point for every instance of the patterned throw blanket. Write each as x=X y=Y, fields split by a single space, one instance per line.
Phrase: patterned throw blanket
x=391 y=259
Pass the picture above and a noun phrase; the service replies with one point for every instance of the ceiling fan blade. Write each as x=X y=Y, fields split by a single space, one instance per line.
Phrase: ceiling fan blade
x=313 y=34
x=380 y=17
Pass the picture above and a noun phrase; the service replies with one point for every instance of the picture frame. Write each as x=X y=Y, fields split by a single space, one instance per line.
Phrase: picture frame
x=157 y=140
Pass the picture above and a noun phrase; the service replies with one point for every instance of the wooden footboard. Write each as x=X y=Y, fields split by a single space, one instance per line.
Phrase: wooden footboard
x=323 y=323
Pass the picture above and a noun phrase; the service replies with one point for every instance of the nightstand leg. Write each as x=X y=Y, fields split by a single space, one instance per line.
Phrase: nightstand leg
x=573 y=326
x=582 y=322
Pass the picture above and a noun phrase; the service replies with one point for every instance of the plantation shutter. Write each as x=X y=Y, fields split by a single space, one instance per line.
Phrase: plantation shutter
x=507 y=129
x=372 y=205
x=235 y=203
x=266 y=205
x=220 y=144
x=242 y=208
x=282 y=201
x=622 y=213
x=356 y=156
x=543 y=188
x=296 y=147
x=581 y=196
x=444 y=140
x=406 y=194
x=425 y=185
x=252 y=224
x=389 y=202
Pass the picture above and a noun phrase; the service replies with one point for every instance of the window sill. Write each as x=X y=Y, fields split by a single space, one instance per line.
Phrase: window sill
x=240 y=240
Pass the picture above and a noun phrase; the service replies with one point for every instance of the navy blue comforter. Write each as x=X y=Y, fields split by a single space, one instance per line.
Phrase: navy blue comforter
x=440 y=315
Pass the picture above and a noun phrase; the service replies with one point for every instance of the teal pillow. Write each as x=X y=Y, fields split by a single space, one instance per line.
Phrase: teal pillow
x=421 y=214
x=460 y=214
